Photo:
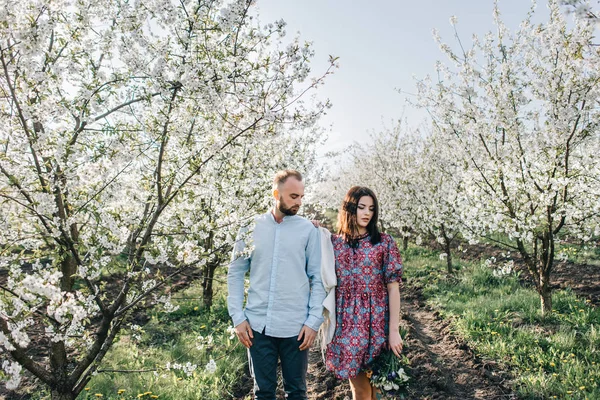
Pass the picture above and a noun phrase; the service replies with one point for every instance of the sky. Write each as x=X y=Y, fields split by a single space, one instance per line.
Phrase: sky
x=382 y=45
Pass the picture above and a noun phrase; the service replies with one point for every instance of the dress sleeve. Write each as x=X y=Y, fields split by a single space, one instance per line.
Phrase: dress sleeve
x=392 y=261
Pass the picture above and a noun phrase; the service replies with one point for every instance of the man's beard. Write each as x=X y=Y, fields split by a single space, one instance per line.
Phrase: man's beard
x=285 y=209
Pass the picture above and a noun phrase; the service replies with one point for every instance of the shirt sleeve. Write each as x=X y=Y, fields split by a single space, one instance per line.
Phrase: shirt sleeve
x=392 y=262
x=239 y=265
x=317 y=291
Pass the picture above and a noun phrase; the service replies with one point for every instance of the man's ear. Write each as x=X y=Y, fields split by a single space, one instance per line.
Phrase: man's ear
x=276 y=194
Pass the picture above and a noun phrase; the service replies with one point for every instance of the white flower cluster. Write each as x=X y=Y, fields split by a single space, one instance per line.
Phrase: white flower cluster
x=18 y=333
x=4 y=342
x=231 y=13
x=42 y=285
x=230 y=331
x=402 y=376
x=188 y=368
x=136 y=332
x=13 y=371
x=188 y=253
x=165 y=301
x=204 y=341
x=489 y=262
x=506 y=269
x=211 y=366
x=581 y=8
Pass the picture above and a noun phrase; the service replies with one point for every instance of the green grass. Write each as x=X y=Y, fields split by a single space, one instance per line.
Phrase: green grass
x=579 y=253
x=174 y=338
x=555 y=356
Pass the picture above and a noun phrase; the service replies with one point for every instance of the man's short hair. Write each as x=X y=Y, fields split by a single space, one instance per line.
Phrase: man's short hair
x=283 y=175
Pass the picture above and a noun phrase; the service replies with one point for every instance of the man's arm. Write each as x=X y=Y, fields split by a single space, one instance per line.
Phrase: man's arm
x=240 y=264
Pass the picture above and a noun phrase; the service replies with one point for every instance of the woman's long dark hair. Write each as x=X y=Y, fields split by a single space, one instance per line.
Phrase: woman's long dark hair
x=347 y=223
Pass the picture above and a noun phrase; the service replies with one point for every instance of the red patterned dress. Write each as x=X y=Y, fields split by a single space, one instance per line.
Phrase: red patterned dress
x=361 y=302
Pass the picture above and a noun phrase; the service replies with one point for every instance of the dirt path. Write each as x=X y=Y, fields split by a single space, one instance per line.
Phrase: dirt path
x=443 y=367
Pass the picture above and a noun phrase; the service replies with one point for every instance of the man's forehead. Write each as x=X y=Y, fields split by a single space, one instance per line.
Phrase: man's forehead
x=293 y=185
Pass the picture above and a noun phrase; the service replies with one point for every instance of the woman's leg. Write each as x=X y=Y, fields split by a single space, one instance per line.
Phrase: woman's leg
x=361 y=387
x=374 y=392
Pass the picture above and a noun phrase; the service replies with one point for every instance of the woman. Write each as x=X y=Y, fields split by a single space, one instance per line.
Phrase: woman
x=368 y=269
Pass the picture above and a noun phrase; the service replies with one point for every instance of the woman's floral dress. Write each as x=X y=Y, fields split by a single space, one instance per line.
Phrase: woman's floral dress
x=361 y=301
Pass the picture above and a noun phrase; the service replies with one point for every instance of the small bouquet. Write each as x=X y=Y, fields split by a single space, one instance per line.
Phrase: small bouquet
x=389 y=374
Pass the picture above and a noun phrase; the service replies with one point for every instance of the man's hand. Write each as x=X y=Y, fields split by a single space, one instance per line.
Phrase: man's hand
x=307 y=335
x=244 y=333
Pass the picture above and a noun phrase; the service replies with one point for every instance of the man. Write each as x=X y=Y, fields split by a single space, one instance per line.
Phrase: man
x=284 y=306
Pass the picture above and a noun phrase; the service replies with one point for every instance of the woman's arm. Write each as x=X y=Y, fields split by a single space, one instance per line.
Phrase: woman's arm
x=394 y=339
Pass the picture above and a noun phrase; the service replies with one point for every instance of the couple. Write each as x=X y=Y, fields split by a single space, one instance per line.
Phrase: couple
x=284 y=308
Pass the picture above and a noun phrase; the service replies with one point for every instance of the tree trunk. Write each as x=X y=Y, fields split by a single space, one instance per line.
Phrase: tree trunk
x=545 y=264
x=209 y=273
x=406 y=231
x=546 y=296
x=448 y=251
x=59 y=360
x=207 y=284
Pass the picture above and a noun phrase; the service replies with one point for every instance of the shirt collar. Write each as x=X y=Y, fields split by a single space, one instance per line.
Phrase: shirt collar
x=285 y=217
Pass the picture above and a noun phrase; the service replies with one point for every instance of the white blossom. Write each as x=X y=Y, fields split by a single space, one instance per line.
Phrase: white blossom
x=211 y=366
x=13 y=371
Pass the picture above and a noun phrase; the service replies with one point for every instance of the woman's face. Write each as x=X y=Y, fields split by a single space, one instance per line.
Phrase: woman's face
x=364 y=211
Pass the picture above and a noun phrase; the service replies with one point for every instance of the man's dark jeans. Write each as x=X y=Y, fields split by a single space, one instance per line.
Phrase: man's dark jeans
x=264 y=353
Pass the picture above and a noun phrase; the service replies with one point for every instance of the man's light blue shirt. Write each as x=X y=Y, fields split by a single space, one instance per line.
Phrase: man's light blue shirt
x=285 y=289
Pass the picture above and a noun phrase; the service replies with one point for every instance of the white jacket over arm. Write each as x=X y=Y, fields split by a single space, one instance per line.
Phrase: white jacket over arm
x=329 y=282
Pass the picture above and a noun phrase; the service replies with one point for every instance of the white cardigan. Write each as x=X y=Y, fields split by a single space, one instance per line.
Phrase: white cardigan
x=329 y=281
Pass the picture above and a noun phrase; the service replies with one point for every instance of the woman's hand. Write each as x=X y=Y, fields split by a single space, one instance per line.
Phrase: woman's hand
x=395 y=342
x=316 y=223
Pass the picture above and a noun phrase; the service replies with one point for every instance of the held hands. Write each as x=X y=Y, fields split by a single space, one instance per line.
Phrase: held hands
x=395 y=343
x=307 y=335
x=244 y=333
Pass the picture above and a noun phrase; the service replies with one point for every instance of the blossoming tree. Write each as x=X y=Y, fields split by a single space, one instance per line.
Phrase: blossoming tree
x=434 y=191
x=134 y=137
x=581 y=8
x=417 y=181
x=519 y=110
x=374 y=164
